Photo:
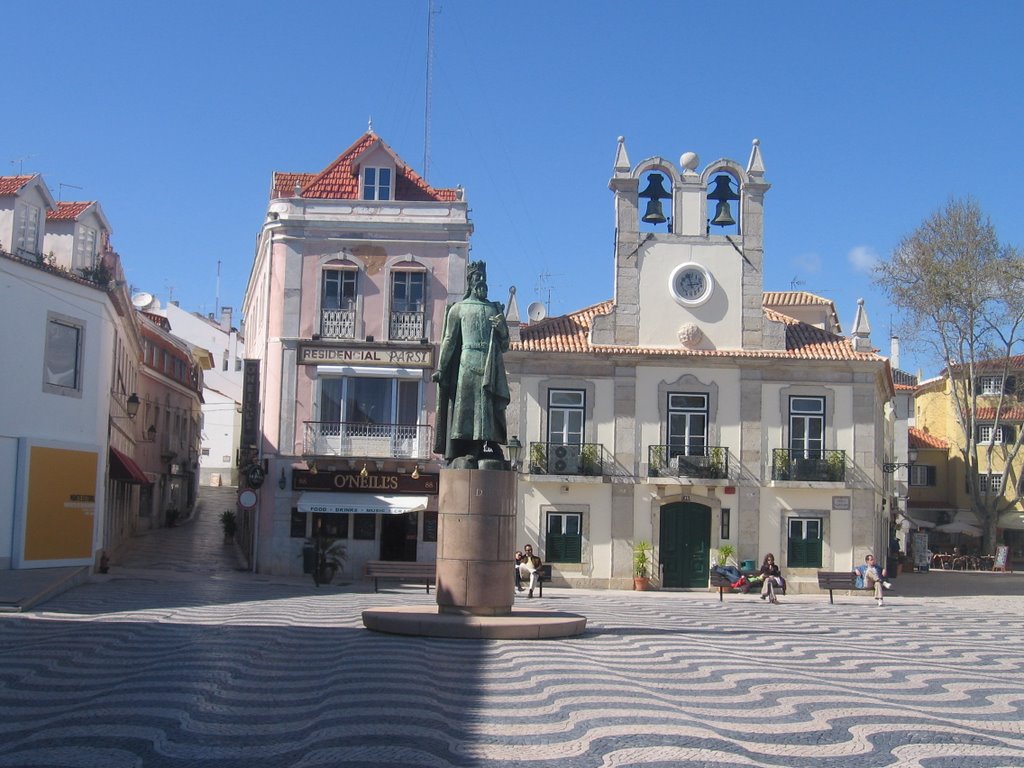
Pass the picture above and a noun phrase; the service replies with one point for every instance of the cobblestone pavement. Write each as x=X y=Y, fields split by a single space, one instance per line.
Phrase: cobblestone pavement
x=175 y=661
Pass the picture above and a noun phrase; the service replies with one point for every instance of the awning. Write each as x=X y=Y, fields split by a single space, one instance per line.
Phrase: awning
x=360 y=503
x=123 y=467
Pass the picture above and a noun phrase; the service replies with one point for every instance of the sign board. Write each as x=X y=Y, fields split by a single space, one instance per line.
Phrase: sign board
x=250 y=403
x=247 y=498
x=919 y=550
x=841 y=502
x=373 y=482
x=418 y=356
x=1002 y=555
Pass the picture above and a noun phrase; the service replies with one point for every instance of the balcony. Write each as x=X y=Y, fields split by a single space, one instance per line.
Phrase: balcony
x=562 y=459
x=704 y=462
x=406 y=326
x=371 y=441
x=337 y=323
x=812 y=466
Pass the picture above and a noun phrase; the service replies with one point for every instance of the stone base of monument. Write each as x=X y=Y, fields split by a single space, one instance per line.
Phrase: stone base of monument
x=475 y=577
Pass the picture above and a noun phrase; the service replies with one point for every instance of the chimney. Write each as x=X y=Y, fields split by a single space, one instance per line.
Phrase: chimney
x=225 y=319
x=894 y=351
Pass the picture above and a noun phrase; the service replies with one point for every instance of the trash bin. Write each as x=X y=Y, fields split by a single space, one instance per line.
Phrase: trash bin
x=308 y=558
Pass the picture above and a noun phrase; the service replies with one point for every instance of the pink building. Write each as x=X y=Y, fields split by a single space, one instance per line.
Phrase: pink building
x=344 y=309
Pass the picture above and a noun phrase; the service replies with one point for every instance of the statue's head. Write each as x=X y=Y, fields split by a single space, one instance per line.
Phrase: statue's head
x=476 y=280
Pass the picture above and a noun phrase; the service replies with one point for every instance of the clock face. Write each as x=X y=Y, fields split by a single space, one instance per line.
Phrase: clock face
x=691 y=284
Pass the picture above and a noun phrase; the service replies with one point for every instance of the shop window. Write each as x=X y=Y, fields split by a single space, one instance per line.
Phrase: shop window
x=298 y=525
x=365 y=527
x=333 y=526
x=726 y=528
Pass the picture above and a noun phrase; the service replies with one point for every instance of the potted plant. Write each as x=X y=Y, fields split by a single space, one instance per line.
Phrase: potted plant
x=716 y=467
x=538 y=459
x=588 y=458
x=230 y=524
x=329 y=558
x=657 y=460
x=641 y=566
x=725 y=551
x=835 y=466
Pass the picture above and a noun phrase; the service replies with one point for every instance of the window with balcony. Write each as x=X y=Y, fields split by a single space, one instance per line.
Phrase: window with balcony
x=377 y=183
x=564 y=540
x=338 y=304
x=566 y=410
x=408 y=293
x=804 y=544
x=62 y=356
x=687 y=429
x=369 y=416
x=806 y=427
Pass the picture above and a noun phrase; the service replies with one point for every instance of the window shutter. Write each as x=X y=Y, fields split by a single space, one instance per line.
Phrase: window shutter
x=930 y=478
x=1009 y=433
x=1010 y=385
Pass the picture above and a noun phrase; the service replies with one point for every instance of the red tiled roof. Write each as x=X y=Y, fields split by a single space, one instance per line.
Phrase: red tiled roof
x=1009 y=413
x=340 y=180
x=793 y=299
x=918 y=438
x=9 y=185
x=571 y=333
x=68 y=211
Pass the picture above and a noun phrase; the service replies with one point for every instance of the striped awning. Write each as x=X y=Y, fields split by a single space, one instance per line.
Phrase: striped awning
x=360 y=503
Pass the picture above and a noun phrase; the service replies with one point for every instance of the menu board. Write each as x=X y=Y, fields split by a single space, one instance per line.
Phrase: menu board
x=919 y=548
x=1002 y=554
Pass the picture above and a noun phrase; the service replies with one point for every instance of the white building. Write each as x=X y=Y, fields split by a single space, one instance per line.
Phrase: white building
x=694 y=410
x=222 y=384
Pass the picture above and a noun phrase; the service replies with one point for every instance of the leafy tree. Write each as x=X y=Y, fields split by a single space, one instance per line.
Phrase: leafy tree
x=962 y=294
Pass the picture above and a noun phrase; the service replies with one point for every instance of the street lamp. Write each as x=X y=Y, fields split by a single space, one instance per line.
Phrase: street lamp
x=514 y=449
x=890 y=468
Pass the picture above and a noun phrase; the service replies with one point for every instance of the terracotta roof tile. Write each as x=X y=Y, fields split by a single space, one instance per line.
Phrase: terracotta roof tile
x=340 y=181
x=68 y=211
x=571 y=333
x=9 y=185
x=918 y=438
x=793 y=298
x=1009 y=413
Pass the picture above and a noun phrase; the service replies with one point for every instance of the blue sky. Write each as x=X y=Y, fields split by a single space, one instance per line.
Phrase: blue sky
x=871 y=115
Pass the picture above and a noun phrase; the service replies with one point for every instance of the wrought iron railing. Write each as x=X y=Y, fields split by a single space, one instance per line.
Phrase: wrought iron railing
x=406 y=326
x=815 y=466
x=337 y=323
x=375 y=441
x=563 y=459
x=704 y=462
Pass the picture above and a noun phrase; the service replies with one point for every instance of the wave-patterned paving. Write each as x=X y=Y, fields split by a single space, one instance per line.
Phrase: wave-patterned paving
x=236 y=672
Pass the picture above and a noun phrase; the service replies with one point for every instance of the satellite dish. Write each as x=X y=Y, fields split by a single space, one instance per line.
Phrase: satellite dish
x=536 y=312
x=142 y=300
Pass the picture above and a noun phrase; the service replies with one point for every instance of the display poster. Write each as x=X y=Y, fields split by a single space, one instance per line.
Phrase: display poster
x=1002 y=555
x=919 y=549
x=61 y=509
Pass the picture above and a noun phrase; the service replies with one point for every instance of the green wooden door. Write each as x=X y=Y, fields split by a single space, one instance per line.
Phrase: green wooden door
x=685 y=540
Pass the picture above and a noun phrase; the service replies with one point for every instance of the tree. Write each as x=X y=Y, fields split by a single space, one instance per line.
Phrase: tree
x=962 y=293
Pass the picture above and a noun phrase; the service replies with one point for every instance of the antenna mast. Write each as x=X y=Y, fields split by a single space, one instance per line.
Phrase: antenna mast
x=430 y=77
x=216 y=301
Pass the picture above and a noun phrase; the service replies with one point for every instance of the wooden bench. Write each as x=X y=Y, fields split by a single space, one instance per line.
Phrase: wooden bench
x=401 y=571
x=722 y=582
x=836 y=580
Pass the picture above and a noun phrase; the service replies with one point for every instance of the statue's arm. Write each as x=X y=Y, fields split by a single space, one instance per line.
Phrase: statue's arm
x=500 y=327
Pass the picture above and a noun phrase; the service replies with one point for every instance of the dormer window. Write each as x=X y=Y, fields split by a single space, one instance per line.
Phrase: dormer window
x=85 y=248
x=377 y=183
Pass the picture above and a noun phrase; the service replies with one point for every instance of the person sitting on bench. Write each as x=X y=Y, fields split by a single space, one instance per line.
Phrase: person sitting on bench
x=529 y=567
x=869 y=577
x=773 y=580
x=519 y=575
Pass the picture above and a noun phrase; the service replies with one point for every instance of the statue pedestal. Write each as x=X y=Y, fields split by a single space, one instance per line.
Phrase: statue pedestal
x=475 y=580
x=476 y=539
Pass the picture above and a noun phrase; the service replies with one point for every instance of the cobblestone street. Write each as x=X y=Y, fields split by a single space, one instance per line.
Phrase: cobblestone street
x=178 y=658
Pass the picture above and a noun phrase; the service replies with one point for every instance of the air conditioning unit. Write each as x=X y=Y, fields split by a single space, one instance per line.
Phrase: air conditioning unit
x=564 y=459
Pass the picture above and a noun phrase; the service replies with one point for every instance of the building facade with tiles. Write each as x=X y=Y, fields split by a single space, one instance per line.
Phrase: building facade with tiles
x=353 y=270
x=694 y=409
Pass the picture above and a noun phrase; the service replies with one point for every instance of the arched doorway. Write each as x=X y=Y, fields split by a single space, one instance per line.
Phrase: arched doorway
x=685 y=542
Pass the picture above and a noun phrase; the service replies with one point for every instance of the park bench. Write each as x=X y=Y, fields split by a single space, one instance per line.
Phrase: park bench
x=401 y=571
x=836 y=580
x=721 y=581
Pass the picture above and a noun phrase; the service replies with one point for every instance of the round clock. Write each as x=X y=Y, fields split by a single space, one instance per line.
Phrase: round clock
x=691 y=284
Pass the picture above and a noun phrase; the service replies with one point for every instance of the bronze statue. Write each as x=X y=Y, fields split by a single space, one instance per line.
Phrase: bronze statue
x=472 y=388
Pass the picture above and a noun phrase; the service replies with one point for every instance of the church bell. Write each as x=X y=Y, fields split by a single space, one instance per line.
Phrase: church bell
x=722 y=193
x=655 y=192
